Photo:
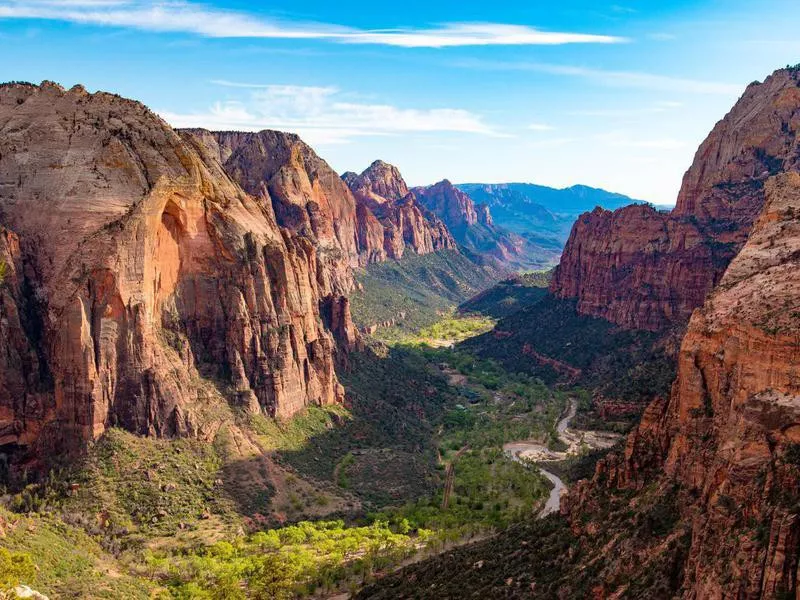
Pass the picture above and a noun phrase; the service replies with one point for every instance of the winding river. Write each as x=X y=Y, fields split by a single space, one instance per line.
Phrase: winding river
x=518 y=450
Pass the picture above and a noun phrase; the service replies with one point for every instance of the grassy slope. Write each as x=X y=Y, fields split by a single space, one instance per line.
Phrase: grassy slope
x=423 y=287
x=628 y=365
x=509 y=296
x=635 y=549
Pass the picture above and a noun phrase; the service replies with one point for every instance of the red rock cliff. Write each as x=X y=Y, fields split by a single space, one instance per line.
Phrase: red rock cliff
x=644 y=269
x=388 y=211
x=140 y=276
x=729 y=436
x=473 y=228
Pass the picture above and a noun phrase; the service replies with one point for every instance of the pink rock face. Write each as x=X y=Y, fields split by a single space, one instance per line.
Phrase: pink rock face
x=472 y=226
x=140 y=275
x=643 y=269
x=380 y=183
x=729 y=434
x=386 y=207
x=449 y=203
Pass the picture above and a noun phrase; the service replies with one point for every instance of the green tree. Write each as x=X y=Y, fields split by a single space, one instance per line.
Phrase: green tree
x=272 y=578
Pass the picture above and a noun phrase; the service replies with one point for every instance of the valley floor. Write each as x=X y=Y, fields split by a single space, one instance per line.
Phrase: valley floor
x=413 y=465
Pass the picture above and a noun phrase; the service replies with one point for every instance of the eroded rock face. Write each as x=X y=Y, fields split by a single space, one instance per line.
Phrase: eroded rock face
x=644 y=269
x=449 y=203
x=380 y=183
x=472 y=226
x=391 y=220
x=304 y=192
x=729 y=436
x=141 y=276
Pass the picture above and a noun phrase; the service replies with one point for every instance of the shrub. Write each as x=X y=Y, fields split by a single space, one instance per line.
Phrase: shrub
x=15 y=568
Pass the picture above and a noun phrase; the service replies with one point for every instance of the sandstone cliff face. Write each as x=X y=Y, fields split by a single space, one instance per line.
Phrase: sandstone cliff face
x=729 y=436
x=304 y=192
x=140 y=276
x=386 y=207
x=484 y=216
x=643 y=269
x=449 y=203
x=472 y=226
x=380 y=183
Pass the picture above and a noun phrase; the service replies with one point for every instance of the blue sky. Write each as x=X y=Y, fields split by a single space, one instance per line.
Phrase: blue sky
x=616 y=95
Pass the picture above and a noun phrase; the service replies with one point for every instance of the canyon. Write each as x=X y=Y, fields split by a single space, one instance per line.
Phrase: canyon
x=701 y=500
x=176 y=319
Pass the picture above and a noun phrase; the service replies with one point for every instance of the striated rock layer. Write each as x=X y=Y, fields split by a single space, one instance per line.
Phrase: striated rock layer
x=391 y=218
x=140 y=276
x=641 y=268
x=729 y=437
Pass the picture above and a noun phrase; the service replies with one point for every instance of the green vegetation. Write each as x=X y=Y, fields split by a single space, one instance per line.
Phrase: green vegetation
x=15 y=568
x=509 y=295
x=622 y=364
x=456 y=329
x=445 y=332
x=3 y=271
x=67 y=562
x=638 y=549
x=491 y=491
x=422 y=288
x=298 y=560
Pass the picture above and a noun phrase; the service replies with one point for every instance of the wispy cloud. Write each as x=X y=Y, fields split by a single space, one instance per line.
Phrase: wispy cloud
x=655 y=108
x=627 y=79
x=321 y=115
x=180 y=16
x=540 y=127
x=621 y=139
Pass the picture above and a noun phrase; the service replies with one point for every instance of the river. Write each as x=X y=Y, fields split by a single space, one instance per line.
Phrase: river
x=518 y=450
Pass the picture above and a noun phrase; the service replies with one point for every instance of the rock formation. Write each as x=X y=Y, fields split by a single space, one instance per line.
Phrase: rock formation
x=449 y=203
x=141 y=278
x=641 y=268
x=388 y=211
x=472 y=226
x=306 y=194
x=378 y=183
x=728 y=439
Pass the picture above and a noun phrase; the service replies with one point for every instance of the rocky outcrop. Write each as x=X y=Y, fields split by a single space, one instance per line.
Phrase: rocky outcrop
x=641 y=268
x=729 y=437
x=305 y=194
x=449 y=203
x=484 y=216
x=386 y=208
x=379 y=183
x=473 y=229
x=142 y=279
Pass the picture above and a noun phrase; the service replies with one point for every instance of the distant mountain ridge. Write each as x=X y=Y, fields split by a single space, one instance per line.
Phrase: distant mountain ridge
x=540 y=211
x=474 y=228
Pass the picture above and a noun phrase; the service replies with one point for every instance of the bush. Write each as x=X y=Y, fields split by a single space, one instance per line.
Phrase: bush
x=15 y=568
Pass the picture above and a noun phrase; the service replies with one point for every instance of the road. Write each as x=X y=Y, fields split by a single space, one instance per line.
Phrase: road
x=517 y=450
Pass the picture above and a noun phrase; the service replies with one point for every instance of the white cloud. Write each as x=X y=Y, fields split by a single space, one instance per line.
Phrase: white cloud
x=321 y=116
x=627 y=79
x=180 y=16
x=540 y=127
x=477 y=34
